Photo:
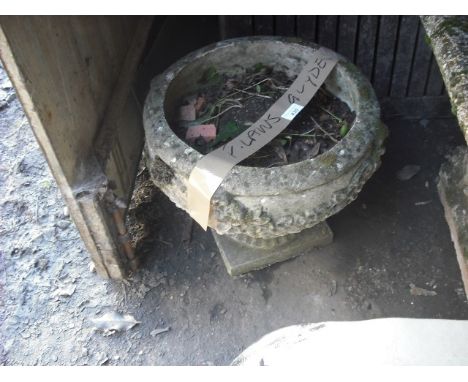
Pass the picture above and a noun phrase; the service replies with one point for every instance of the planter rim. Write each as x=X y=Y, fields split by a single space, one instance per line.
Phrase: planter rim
x=164 y=143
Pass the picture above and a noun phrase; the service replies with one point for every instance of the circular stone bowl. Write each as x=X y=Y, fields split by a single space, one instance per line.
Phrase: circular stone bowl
x=255 y=203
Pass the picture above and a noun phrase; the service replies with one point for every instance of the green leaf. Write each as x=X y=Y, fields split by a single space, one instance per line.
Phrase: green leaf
x=210 y=75
x=258 y=88
x=258 y=67
x=227 y=132
x=344 y=129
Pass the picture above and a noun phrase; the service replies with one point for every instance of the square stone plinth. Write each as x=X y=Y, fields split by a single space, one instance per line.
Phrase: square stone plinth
x=240 y=258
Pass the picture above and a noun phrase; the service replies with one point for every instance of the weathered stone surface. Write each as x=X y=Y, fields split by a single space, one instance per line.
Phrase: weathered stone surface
x=241 y=257
x=453 y=191
x=266 y=203
x=448 y=36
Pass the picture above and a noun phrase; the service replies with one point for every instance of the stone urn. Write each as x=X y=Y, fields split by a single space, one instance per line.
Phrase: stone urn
x=260 y=216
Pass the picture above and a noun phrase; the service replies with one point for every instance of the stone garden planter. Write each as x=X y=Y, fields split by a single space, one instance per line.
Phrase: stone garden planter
x=263 y=215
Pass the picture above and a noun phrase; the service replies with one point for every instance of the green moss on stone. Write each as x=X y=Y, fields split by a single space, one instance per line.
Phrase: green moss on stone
x=450 y=25
x=462 y=72
x=454 y=109
x=327 y=159
x=427 y=40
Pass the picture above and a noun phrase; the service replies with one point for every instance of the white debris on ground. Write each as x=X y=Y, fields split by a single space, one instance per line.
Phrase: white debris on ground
x=408 y=172
x=112 y=322
x=417 y=291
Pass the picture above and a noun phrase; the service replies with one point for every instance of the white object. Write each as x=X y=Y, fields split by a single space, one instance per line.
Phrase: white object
x=292 y=111
x=386 y=341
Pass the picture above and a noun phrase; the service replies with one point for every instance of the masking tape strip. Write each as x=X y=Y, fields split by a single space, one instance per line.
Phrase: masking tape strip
x=210 y=170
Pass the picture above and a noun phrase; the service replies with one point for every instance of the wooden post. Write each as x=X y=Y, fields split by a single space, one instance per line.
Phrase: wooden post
x=73 y=76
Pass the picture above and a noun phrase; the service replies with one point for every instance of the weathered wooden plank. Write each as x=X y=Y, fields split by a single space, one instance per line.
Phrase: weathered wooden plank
x=263 y=25
x=285 y=25
x=404 y=55
x=46 y=49
x=115 y=41
x=366 y=44
x=347 y=33
x=89 y=42
x=122 y=164
x=109 y=259
x=129 y=26
x=386 y=43
x=327 y=27
x=58 y=68
x=117 y=146
x=21 y=59
x=307 y=27
x=121 y=91
x=435 y=84
x=421 y=64
x=236 y=26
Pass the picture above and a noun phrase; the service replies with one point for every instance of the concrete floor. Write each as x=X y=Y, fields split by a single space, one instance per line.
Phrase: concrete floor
x=384 y=241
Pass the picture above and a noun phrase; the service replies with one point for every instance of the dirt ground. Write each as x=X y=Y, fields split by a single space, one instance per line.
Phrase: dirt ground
x=393 y=236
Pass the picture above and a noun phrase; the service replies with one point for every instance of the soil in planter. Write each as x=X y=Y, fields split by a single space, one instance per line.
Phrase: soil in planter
x=233 y=103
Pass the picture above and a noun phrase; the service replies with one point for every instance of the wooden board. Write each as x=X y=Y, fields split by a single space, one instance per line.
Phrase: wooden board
x=347 y=34
x=390 y=50
x=307 y=27
x=404 y=56
x=72 y=74
x=434 y=83
x=386 y=44
x=421 y=64
x=236 y=26
x=327 y=27
x=285 y=25
x=263 y=25
x=366 y=44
